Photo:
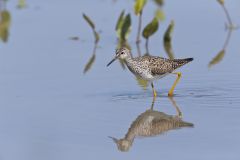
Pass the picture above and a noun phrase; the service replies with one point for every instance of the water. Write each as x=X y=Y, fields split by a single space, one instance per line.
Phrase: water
x=49 y=109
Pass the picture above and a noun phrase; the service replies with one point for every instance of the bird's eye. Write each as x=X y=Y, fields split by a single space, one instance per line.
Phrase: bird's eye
x=122 y=52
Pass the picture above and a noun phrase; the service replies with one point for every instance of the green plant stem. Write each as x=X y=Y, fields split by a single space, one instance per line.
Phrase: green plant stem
x=138 y=49
x=139 y=28
x=227 y=39
x=146 y=45
x=227 y=15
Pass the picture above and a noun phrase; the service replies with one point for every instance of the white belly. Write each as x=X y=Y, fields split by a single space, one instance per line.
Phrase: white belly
x=149 y=77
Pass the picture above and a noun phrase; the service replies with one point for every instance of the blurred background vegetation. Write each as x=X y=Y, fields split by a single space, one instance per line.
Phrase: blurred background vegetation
x=123 y=29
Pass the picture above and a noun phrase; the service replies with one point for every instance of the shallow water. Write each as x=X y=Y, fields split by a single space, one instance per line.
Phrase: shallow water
x=49 y=109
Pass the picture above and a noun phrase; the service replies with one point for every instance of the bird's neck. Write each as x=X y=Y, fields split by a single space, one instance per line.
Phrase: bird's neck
x=128 y=60
x=130 y=136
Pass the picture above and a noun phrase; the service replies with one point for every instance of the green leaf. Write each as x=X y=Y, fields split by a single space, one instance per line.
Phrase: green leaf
x=5 y=16
x=159 y=2
x=89 y=21
x=217 y=58
x=120 y=21
x=5 y=20
x=221 y=2
x=138 y=7
x=126 y=27
x=167 y=40
x=159 y=14
x=119 y=24
x=21 y=4
x=90 y=63
x=151 y=28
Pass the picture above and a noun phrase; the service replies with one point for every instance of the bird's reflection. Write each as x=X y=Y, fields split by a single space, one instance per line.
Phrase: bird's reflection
x=151 y=123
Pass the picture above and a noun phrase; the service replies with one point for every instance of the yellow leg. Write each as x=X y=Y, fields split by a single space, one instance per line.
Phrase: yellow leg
x=154 y=92
x=179 y=74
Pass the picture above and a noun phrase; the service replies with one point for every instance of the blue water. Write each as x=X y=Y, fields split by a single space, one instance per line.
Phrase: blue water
x=49 y=109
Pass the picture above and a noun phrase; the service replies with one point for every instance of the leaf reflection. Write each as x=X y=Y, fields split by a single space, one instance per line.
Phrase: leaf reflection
x=90 y=63
x=97 y=38
x=219 y=57
x=151 y=123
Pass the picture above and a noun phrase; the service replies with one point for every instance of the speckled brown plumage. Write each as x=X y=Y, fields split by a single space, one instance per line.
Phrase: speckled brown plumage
x=152 y=67
x=161 y=66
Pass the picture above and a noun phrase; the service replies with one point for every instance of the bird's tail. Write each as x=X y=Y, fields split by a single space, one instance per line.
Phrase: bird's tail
x=180 y=62
x=186 y=124
x=188 y=59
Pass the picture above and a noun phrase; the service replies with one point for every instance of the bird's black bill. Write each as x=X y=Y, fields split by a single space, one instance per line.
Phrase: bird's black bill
x=114 y=139
x=111 y=61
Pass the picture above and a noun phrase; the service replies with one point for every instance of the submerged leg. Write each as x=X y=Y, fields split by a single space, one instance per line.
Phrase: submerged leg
x=179 y=74
x=154 y=92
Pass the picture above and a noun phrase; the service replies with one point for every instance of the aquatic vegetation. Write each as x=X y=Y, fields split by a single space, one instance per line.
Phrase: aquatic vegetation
x=159 y=14
x=123 y=29
x=167 y=40
x=217 y=58
x=231 y=27
x=149 y=30
x=138 y=9
x=5 y=20
x=92 y=25
x=89 y=63
x=230 y=24
x=220 y=55
x=97 y=38
x=21 y=4
x=159 y=2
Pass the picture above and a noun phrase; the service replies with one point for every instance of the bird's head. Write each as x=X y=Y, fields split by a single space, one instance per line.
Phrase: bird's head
x=123 y=144
x=121 y=53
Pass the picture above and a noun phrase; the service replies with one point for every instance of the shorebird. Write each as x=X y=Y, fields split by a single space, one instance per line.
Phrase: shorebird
x=151 y=68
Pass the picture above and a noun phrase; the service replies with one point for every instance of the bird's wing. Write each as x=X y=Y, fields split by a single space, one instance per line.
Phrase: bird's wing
x=160 y=66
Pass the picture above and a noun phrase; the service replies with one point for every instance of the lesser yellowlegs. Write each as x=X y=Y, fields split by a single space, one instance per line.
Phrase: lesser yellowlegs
x=151 y=68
